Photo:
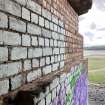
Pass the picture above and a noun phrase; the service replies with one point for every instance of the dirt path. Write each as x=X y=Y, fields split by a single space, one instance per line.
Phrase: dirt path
x=96 y=95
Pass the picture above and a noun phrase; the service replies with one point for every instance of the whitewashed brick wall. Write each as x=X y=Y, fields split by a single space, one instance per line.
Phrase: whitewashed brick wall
x=28 y=41
x=34 y=42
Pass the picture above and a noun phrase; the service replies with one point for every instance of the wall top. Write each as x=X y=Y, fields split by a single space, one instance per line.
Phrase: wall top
x=81 y=6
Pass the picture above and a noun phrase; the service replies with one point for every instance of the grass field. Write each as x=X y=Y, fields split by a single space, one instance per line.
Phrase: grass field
x=96 y=66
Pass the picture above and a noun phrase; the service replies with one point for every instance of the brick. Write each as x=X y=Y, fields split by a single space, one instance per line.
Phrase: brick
x=10 y=69
x=61 y=23
x=3 y=20
x=62 y=37
x=34 y=75
x=56 y=58
x=4 y=87
x=42 y=61
x=56 y=51
x=61 y=44
x=41 y=41
x=25 y=14
x=10 y=7
x=46 y=14
x=16 y=82
x=62 y=64
x=47 y=51
x=51 y=26
x=55 y=28
x=34 y=6
x=26 y=40
x=46 y=70
x=41 y=21
x=18 y=53
x=63 y=31
x=47 y=60
x=35 y=63
x=58 y=89
x=34 y=18
x=62 y=78
x=17 y=25
x=62 y=57
x=9 y=38
x=54 y=84
x=51 y=42
x=3 y=54
x=55 y=35
x=34 y=29
x=59 y=57
x=55 y=43
x=53 y=94
x=48 y=99
x=34 y=41
x=42 y=102
x=55 y=66
x=52 y=59
x=47 y=24
x=27 y=65
x=55 y=19
x=59 y=29
x=34 y=52
x=46 y=33
x=62 y=50
x=47 y=42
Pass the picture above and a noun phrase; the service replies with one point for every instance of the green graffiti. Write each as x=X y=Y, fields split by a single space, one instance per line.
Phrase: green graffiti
x=72 y=83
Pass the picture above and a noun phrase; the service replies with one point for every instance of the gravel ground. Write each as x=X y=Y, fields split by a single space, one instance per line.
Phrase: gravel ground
x=96 y=95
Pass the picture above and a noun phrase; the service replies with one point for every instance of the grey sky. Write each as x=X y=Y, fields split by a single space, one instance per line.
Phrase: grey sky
x=92 y=24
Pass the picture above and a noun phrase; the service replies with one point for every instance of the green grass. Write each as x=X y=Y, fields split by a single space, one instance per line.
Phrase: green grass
x=97 y=77
x=96 y=66
x=96 y=63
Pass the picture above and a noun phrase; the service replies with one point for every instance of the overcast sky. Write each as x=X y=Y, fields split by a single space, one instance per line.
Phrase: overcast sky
x=92 y=24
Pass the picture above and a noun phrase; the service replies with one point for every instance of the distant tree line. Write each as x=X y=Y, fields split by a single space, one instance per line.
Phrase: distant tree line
x=95 y=48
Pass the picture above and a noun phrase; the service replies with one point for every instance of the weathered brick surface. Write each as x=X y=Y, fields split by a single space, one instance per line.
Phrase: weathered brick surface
x=34 y=75
x=33 y=29
x=16 y=82
x=47 y=70
x=18 y=53
x=25 y=14
x=47 y=51
x=34 y=6
x=3 y=20
x=4 y=86
x=27 y=65
x=34 y=41
x=35 y=63
x=41 y=21
x=10 y=69
x=36 y=52
x=9 y=38
x=26 y=41
x=3 y=54
x=37 y=37
x=10 y=7
x=34 y=18
x=16 y=24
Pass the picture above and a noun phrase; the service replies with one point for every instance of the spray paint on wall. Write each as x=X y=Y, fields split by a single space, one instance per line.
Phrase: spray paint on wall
x=74 y=90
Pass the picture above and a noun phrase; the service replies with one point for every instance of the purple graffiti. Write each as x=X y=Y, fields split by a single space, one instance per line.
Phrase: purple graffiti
x=80 y=91
x=61 y=97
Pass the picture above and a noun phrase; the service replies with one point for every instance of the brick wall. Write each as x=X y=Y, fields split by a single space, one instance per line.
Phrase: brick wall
x=37 y=38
